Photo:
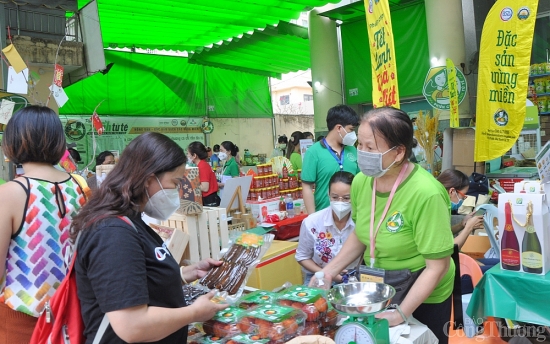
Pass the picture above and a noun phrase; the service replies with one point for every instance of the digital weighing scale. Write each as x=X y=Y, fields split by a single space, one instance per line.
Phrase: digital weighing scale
x=360 y=301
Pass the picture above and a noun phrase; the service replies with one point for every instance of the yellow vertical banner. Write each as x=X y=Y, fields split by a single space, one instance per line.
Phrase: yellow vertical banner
x=453 y=93
x=504 y=57
x=382 y=53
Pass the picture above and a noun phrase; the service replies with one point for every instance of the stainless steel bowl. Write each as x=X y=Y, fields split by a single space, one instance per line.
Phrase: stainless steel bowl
x=360 y=297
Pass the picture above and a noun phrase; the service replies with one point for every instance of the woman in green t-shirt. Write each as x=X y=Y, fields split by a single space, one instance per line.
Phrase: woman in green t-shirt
x=402 y=218
x=227 y=154
x=293 y=150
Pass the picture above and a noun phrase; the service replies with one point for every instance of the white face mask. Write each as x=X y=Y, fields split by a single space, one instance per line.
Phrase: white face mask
x=349 y=139
x=341 y=209
x=371 y=163
x=222 y=155
x=163 y=204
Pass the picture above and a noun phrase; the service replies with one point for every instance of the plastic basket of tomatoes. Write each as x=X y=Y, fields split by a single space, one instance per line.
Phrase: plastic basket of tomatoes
x=276 y=323
x=224 y=323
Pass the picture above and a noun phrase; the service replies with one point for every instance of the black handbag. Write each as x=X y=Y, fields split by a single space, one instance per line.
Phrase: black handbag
x=479 y=185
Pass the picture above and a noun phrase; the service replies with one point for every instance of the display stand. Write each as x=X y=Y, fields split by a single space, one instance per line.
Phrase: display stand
x=240 y=203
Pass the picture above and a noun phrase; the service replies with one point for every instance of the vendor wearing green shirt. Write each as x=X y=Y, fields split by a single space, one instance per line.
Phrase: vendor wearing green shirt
x=227 y=154
x=412 y=233
x=336 y=152
x=293 y=150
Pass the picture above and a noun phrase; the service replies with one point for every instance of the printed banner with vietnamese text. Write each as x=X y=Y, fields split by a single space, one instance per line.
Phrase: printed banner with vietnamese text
x=453 y=93
x=504 y=57
x=383 y=62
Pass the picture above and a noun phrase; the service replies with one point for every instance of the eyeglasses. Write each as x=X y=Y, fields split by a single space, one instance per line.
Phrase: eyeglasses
x=461 y=194
x=336 y=198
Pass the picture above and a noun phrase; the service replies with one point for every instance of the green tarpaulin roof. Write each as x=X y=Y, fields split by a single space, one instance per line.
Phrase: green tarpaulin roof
x=166 y=86
x=186 y=25
x=272 y=51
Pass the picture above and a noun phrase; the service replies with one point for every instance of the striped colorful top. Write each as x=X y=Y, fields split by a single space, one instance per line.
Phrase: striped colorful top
x=35 y=263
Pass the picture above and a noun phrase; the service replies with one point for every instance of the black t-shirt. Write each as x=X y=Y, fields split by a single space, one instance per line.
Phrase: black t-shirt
x=118 y=268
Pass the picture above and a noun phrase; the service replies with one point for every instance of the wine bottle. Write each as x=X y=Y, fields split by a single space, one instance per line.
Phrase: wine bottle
x=531 y=252
x=509 y=247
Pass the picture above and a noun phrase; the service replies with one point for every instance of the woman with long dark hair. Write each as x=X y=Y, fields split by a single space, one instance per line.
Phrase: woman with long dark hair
x=228 y=152
x=37 y=210
x=197 y=154
x=123 y=269
x=293 y=150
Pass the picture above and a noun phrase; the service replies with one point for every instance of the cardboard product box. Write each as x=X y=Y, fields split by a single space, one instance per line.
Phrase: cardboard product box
x=190 y=193
x=463 y=146
x=277 y=267
x=260 y=209
x=176 y=240
x=476 y=246
x=469 y=169
x=534 y=258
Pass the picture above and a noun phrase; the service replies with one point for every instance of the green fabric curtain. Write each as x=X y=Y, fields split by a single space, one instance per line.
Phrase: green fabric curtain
x=411 y=50
x=161 y=86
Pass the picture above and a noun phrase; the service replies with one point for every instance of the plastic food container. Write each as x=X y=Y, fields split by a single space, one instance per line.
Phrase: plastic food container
x=224 y=323
x=247 y=339
x=259 y=297
x=277 y=323
x=310 y=300
x=207 y=340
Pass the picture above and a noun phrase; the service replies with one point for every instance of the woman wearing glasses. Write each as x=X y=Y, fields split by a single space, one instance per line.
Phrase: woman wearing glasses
x=324 y=232
x=457 y=184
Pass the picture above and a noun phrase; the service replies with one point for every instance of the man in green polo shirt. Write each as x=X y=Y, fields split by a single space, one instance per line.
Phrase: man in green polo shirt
x=336 y=152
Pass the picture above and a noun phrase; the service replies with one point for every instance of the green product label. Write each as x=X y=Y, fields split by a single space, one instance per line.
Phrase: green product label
x=532 y=260
x=272 y=313
x=260 y=297
x=229 y=315
x=302 y=294
x=249 y=339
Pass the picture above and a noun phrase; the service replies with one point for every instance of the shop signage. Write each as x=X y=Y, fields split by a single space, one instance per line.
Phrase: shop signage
x=436 y=88
x=504 y=57
x=453 y=93
x=119 y=131
x=383 y=62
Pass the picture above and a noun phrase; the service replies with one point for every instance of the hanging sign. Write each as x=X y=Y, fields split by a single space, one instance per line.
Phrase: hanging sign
x=436 y=87
x=453 y=93
x=383 y=62
x=504 y=58
x=58 y=75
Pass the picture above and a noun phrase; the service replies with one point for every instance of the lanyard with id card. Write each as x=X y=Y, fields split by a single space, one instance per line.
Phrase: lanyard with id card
x=370 y=273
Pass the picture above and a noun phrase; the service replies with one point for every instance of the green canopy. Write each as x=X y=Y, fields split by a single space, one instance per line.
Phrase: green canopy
x=163 y=86
x=189 y=24
x=411 y=51
x=255 y=52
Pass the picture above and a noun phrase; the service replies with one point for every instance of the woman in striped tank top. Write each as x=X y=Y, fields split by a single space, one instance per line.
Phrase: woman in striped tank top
x=36 y=211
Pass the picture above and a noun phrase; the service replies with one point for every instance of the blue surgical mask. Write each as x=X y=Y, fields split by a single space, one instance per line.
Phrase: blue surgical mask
x=455 y=206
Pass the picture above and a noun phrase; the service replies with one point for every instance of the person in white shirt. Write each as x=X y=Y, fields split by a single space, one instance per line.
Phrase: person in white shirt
x=324 y=232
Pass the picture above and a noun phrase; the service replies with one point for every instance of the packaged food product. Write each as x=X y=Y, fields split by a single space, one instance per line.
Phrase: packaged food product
x=206 y=340
x=238 y=262
x=540 y=85
x=277 y=323
x=310 y=300
x=542 y=104
x=547 y=83
x=224 y=323
x=247 y=339
x=256 y=298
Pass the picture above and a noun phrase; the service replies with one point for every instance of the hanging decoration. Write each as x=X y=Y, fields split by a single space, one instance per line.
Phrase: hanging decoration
x=207 y=126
